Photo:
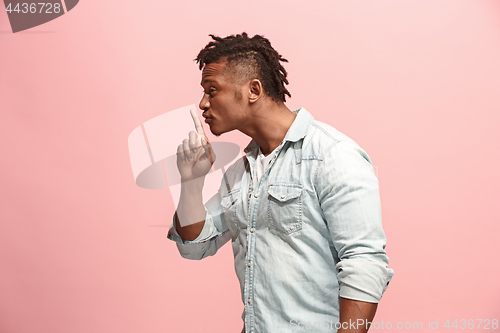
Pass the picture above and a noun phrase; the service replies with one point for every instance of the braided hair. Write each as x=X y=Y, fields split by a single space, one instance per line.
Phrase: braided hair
x=254 y=58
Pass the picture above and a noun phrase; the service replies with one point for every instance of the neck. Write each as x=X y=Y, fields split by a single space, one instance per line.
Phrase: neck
x=270 y=122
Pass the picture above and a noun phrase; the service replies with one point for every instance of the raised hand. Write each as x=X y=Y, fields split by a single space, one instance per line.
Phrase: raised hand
x=195 y=155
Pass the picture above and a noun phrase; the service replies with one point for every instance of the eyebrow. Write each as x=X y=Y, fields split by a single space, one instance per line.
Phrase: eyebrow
x=207 y=80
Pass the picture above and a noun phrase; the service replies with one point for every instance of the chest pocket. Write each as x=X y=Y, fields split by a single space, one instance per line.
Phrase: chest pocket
x=229 y=205
x=285 y=208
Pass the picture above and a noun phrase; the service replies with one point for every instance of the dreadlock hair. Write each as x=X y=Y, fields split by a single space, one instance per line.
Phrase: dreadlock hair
x=253 y=58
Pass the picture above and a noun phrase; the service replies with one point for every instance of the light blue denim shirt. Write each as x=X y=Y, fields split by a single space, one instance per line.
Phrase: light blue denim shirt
x=310 y=231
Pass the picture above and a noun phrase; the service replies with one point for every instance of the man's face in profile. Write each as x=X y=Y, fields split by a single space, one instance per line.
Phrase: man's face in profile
x=223 y=101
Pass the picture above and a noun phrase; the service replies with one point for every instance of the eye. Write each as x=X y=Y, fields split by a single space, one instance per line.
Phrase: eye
x=211 y=91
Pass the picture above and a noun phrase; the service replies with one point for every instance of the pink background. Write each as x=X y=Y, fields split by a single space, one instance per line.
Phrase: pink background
x=83 y=249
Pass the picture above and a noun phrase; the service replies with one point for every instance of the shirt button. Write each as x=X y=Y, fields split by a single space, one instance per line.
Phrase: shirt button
x=283 y=196
x=256 y=195
x=249 y=300
x=251 y=229
x=249 y=264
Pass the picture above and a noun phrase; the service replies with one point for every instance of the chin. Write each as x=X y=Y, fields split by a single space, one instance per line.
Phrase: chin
x=215 y=132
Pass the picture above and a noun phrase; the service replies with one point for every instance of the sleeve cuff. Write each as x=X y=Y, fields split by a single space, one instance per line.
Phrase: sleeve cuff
x=206 y=233
x=363 y=280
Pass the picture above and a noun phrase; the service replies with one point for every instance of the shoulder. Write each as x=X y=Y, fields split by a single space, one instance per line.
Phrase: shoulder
x=342 y=160
x=321 y=138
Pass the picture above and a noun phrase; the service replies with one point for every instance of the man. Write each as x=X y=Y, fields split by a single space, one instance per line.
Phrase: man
x=302 y=207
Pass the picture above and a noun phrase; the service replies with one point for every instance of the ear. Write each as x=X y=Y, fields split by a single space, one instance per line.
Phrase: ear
x=256 y=90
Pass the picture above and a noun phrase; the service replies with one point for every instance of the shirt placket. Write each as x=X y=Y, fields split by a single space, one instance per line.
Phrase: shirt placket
x=254 y=196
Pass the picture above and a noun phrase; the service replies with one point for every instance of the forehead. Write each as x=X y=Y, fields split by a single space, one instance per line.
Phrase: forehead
x=213 y=72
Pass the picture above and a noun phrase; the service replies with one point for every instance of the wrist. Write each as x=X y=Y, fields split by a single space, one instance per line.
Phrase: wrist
x=193 y=184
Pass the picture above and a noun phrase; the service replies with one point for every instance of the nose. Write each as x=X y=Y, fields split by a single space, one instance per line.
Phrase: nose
x=204 y=103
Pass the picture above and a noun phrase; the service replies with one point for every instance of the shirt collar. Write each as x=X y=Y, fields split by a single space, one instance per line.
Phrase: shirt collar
x=300 y=125
x=295 y=132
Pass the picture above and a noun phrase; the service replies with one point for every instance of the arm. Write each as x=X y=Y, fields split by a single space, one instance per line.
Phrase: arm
x=195 y=157
x=358 y=312
x=196 y=231
x=349 y=197
x=190 y=208
x=214 y=233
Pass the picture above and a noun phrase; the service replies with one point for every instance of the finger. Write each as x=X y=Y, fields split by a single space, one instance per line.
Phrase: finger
x=199 y=155
x=208 y=150
x=197 y=123
x=180 y=152
x=194 y=141
x=186 y=149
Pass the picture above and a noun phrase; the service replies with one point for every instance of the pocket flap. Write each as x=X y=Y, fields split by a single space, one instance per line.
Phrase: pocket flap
x=285 y=192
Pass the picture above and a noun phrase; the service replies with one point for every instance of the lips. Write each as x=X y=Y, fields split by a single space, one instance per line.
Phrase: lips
x=208 y=118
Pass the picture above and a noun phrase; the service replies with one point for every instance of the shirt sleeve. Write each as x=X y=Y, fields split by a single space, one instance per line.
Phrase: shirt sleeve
x=349 y=197
x=214 y=234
